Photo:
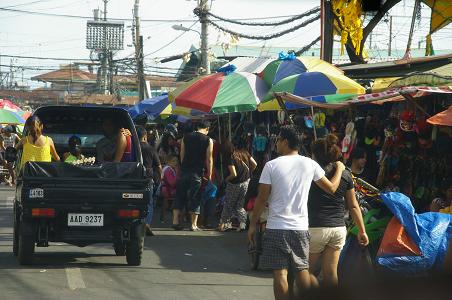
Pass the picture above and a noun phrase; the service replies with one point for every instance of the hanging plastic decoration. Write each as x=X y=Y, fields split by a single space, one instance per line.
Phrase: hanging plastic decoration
x=349 y=16
x=286 y=56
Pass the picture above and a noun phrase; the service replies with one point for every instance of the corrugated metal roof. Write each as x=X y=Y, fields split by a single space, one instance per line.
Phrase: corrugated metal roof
x=435 y=77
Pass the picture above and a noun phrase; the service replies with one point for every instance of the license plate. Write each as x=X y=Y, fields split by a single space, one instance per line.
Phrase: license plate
x=85 y=219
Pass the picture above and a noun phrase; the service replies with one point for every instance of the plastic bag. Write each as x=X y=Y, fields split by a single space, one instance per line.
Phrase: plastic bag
x=396 y=241
x=429 y=231
x=354 y=259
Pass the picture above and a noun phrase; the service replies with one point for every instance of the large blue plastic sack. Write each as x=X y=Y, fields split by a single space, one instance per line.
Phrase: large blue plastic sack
x=430 y=231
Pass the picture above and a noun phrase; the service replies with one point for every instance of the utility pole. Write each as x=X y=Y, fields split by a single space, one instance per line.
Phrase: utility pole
x=105 y=54
x=390 y=36
x=203 y=18
x=110 y=73
x=410 y=37
x=11 y=74
x=370 y=41
x=139 y=52
x=326 y=28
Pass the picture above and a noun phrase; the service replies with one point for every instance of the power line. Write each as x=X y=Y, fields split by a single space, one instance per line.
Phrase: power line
x=127 y=19
x=88 y=18
x=278 y=23
x=43 y=58
x=308 y=46
x=22 y=4
x=266 y=37
x=172 y=41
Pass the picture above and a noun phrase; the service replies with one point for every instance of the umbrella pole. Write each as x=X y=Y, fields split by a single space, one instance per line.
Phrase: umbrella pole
x=221 y=152
x=283 y=107
x=229 y=125
x=313 y=123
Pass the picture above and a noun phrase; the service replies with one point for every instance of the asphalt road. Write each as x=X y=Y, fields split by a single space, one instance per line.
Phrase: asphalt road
x=176 y=265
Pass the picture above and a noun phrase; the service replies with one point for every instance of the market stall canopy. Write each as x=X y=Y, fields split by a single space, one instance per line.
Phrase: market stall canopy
x=396 y=94
x=441 y=13
x=381 y=84
x=223 y=92
x=396 y=68
x=443 y=118
x=437 y=77
x=441 y=17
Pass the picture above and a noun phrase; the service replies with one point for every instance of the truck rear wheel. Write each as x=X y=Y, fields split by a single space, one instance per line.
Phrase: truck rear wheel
x=26 y=243
x=134 y=248
x=120 y=248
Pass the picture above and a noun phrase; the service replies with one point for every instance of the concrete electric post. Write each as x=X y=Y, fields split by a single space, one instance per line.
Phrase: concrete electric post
x=205 y=65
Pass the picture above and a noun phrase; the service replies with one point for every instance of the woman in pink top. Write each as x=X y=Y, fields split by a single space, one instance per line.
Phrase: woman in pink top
x=168 y=184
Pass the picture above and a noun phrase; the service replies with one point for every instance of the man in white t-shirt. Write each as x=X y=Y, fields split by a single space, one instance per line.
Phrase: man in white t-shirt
x=285 y=184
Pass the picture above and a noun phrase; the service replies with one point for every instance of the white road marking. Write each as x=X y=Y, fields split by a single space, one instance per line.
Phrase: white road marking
x=74 y=278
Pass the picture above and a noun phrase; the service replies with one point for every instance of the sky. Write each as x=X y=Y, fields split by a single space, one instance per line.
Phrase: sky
x=44 y=36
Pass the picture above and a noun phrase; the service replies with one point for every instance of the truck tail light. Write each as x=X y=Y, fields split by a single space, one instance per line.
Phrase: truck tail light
x=128 y=213
x=43 y=212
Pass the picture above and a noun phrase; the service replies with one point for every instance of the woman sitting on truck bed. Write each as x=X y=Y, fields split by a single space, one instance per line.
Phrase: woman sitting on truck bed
x=36 y=146
x=116 y=146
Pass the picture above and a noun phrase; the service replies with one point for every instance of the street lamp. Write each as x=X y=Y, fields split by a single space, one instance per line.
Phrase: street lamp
x=183 y=28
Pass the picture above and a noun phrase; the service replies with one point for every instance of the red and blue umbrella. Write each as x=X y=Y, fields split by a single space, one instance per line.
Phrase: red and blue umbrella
x=223 y=92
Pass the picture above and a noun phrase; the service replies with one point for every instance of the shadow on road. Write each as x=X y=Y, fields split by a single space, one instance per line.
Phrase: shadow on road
x=203 y=252
x=187 y=253
x=206 y=252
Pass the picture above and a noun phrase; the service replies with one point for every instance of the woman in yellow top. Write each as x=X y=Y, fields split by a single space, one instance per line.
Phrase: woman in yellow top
x=36 y=146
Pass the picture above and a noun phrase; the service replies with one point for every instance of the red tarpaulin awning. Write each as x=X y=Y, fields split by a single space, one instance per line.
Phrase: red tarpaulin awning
x=443 y=118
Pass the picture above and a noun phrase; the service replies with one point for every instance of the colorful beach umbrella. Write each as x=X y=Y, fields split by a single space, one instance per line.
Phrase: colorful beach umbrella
x=289 y=65
x=273 y=105
x=222 y=92
x=174 y=110
x=6 y=104
x=312 y=84
x=152 y=107
x=10 y=117
x=316 y=86
x=24 y=114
